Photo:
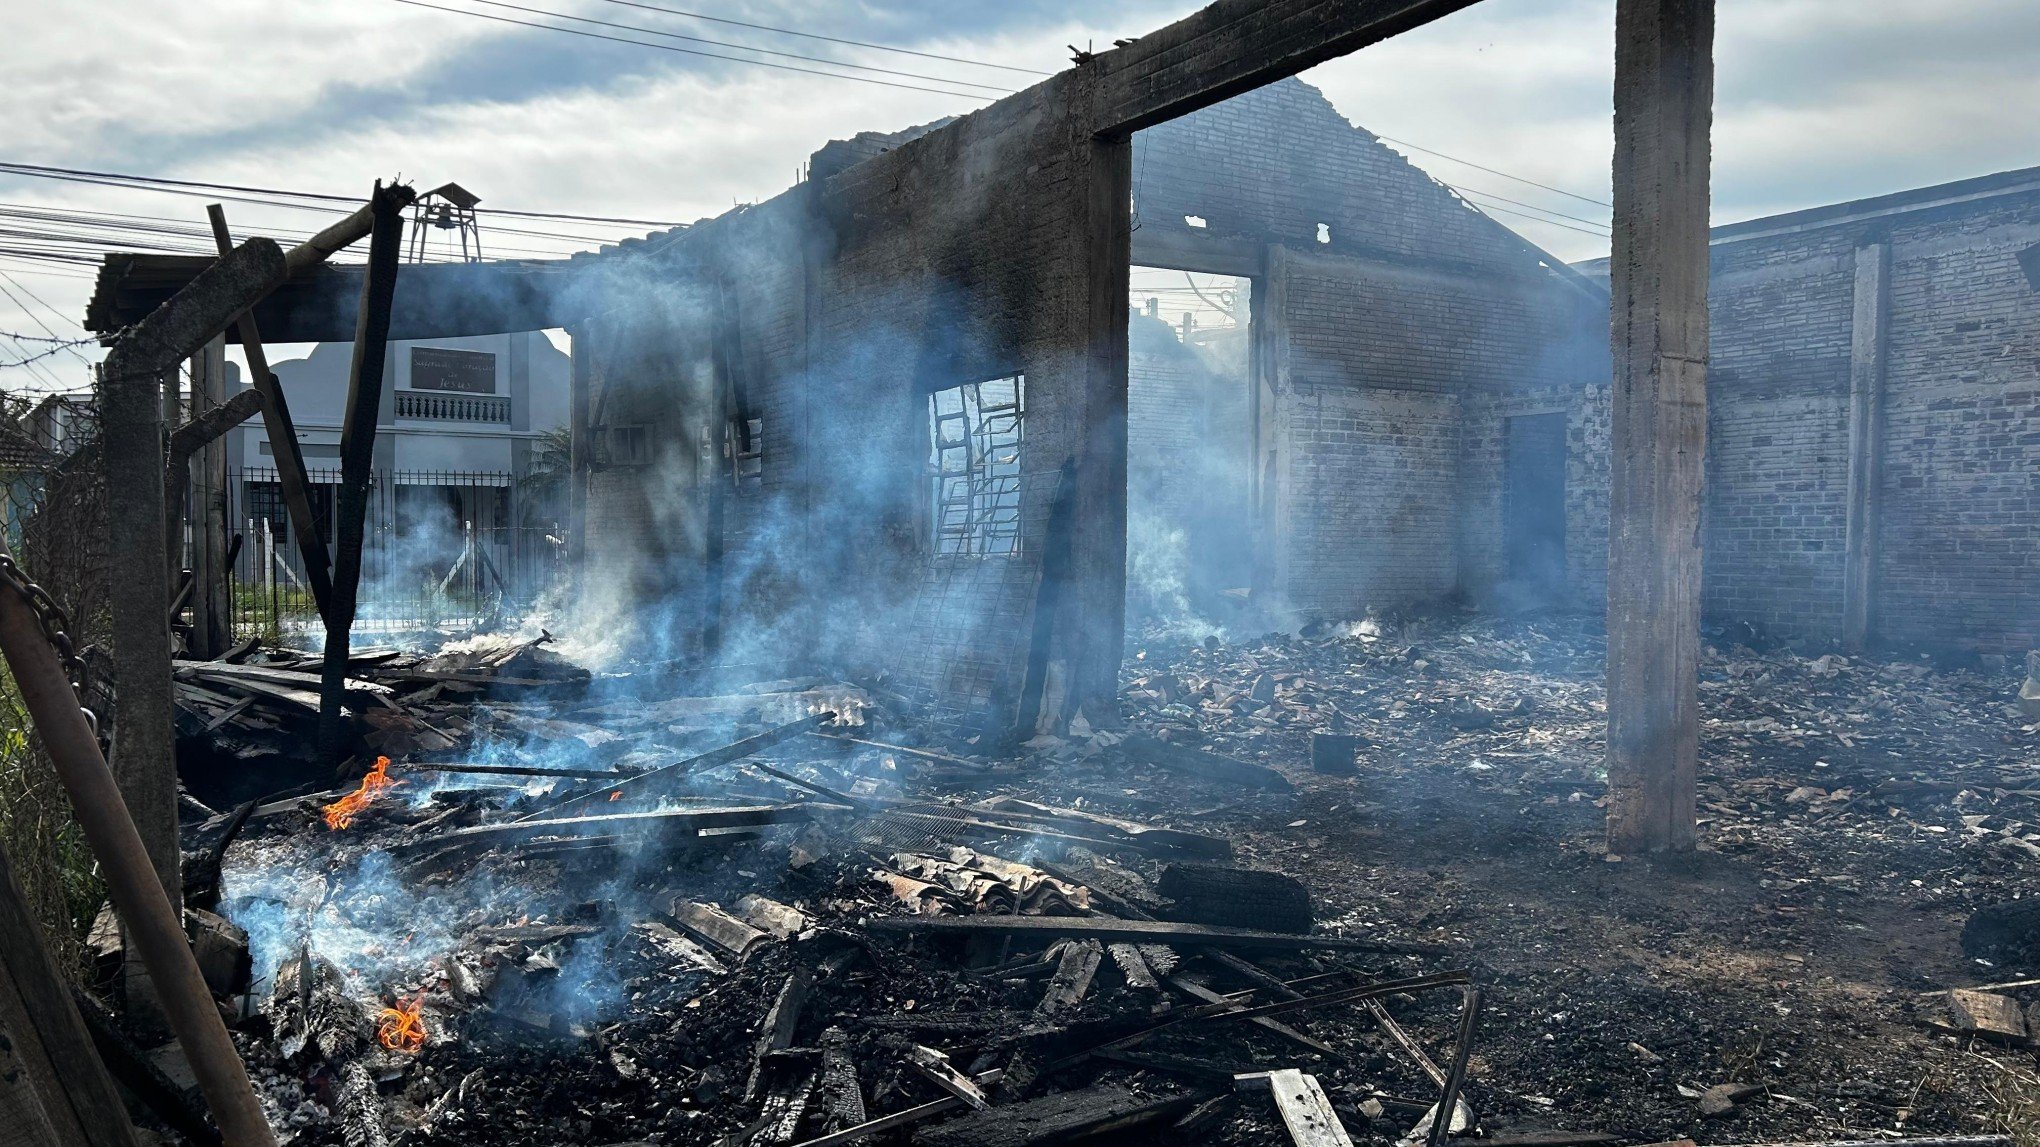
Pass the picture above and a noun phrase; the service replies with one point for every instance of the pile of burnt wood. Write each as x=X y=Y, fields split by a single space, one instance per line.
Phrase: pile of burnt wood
x=805 y=934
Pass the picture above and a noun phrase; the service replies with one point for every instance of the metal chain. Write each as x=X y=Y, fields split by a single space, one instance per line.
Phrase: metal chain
x=55 y=628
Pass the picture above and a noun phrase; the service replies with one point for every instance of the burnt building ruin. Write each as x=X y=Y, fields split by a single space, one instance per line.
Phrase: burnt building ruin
x=1023 y=701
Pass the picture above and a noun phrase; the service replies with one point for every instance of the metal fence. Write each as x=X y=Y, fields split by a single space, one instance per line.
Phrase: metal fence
x=442 y=548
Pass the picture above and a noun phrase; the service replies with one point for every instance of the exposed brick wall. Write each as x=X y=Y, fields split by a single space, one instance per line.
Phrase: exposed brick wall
x=1368 y=496
x=1778 y=454
x=1958 y=565
x=1960 y=559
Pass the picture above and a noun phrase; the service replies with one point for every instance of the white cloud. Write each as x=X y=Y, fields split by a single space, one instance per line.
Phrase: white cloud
x=1818 y=101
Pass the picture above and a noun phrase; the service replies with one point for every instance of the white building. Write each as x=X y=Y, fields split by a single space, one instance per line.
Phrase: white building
x=469 y=405
x=462 y=425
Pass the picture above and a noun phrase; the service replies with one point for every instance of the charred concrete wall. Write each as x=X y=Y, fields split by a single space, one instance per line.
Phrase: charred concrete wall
x=818 y=324
x=1956 y=504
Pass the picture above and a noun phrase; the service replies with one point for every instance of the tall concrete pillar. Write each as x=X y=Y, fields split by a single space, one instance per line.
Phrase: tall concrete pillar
x=1091 y=624
x=1664 y=95
x=1869 y=340
x=211 y=609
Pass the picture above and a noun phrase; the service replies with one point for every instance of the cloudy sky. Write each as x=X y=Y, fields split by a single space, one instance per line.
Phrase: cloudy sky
x=1818 y=101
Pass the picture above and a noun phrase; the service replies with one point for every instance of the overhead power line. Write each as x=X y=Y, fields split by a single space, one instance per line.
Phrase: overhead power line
x=741 y=47
x=688 y=51
x=829 y=39
x=75 y=174
x=1495 y=171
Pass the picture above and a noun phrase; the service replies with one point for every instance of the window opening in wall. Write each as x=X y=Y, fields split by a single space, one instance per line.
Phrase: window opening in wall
x=975 y=432
x=628 y=446
x=747 y=452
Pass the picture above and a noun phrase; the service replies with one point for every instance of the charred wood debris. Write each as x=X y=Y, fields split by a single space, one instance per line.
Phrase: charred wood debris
x=549 y=906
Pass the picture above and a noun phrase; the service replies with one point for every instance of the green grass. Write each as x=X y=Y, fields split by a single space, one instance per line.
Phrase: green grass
x=48 y=852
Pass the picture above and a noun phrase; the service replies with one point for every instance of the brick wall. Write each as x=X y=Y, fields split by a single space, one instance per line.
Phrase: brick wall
x=1367 y=495
x=1960 y=559
x=1777 y=455
x=1958 y=565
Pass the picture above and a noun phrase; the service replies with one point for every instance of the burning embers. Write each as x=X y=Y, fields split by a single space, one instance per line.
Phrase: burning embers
x=402 y=1028
x=342 y=812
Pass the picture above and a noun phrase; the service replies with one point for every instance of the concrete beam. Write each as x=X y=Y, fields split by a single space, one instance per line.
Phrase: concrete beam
x=1869 y=346
x=1235 y=46
x=1664 y=96
x=1182 y=249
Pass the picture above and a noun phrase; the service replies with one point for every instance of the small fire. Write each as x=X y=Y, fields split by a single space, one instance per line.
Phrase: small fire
x=342 y=812
x=402 y=1028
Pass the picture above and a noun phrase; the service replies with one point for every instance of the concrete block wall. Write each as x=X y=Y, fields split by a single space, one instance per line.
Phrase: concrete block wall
x=1368 y=495
x=1495 y=345
x=1777 y=452
x=1960 y=553
x=1957 y=566
x=1482 y=461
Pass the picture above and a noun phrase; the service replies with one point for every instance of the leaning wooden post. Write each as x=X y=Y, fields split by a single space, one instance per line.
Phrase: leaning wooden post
x=145 y=907
x=283 y=443
x=1664 y=96
x=131 y=437
x=357 y=456
x=48 y=1038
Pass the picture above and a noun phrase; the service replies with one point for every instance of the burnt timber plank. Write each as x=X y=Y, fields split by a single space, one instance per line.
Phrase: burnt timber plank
x=47 y=1036
x=1056 y=1118
x=1139 y=931
x=735 y=816
x=1302 y=1103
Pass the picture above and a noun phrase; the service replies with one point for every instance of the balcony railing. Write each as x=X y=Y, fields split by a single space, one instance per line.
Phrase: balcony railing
x=453 y=407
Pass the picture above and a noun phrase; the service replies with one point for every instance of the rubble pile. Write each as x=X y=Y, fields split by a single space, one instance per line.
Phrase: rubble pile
x=618 y=911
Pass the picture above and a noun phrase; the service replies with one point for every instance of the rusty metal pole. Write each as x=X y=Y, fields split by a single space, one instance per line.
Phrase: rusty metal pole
x=131 y=881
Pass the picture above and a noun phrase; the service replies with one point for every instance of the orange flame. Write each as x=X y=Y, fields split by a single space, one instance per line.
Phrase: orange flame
x=342 y=812
x=402 y=1028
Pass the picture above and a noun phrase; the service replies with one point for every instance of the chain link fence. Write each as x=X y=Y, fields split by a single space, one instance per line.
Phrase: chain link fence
x=53 y=518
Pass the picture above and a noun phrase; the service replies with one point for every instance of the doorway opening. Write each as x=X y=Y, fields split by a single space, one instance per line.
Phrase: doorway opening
x=1533 y=501
x=1189 y=449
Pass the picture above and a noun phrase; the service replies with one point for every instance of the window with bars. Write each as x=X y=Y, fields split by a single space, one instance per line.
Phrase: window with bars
x=975 y=434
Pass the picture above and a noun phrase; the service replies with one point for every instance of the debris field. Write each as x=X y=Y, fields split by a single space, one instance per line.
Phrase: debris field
x=1312 y=887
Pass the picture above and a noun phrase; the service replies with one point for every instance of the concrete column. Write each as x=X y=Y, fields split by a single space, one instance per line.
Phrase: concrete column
x=1869 y=343
x=1269 y=332
x=144 y=751
x=1664 y=95
x=211 y=605
x=1092 y=618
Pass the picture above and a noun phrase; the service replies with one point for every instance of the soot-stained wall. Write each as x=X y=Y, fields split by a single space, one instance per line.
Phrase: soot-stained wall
x=1399 y=327
x=1956 y=562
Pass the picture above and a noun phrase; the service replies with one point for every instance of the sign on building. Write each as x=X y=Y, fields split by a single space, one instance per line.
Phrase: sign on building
x=467 y=371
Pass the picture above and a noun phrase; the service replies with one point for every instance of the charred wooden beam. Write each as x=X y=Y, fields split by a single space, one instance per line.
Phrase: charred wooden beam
x=936 y=1069
x=1059 y=1118
x=144 y=891
x=47 y=1036
x=911 y=1115
x=649 y=784
x=1203 y=765
x=1202 y=994
x=1301 y=1101
x=283 y=442
x=357 y=459
x=686 y=820
x=1141 y=931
